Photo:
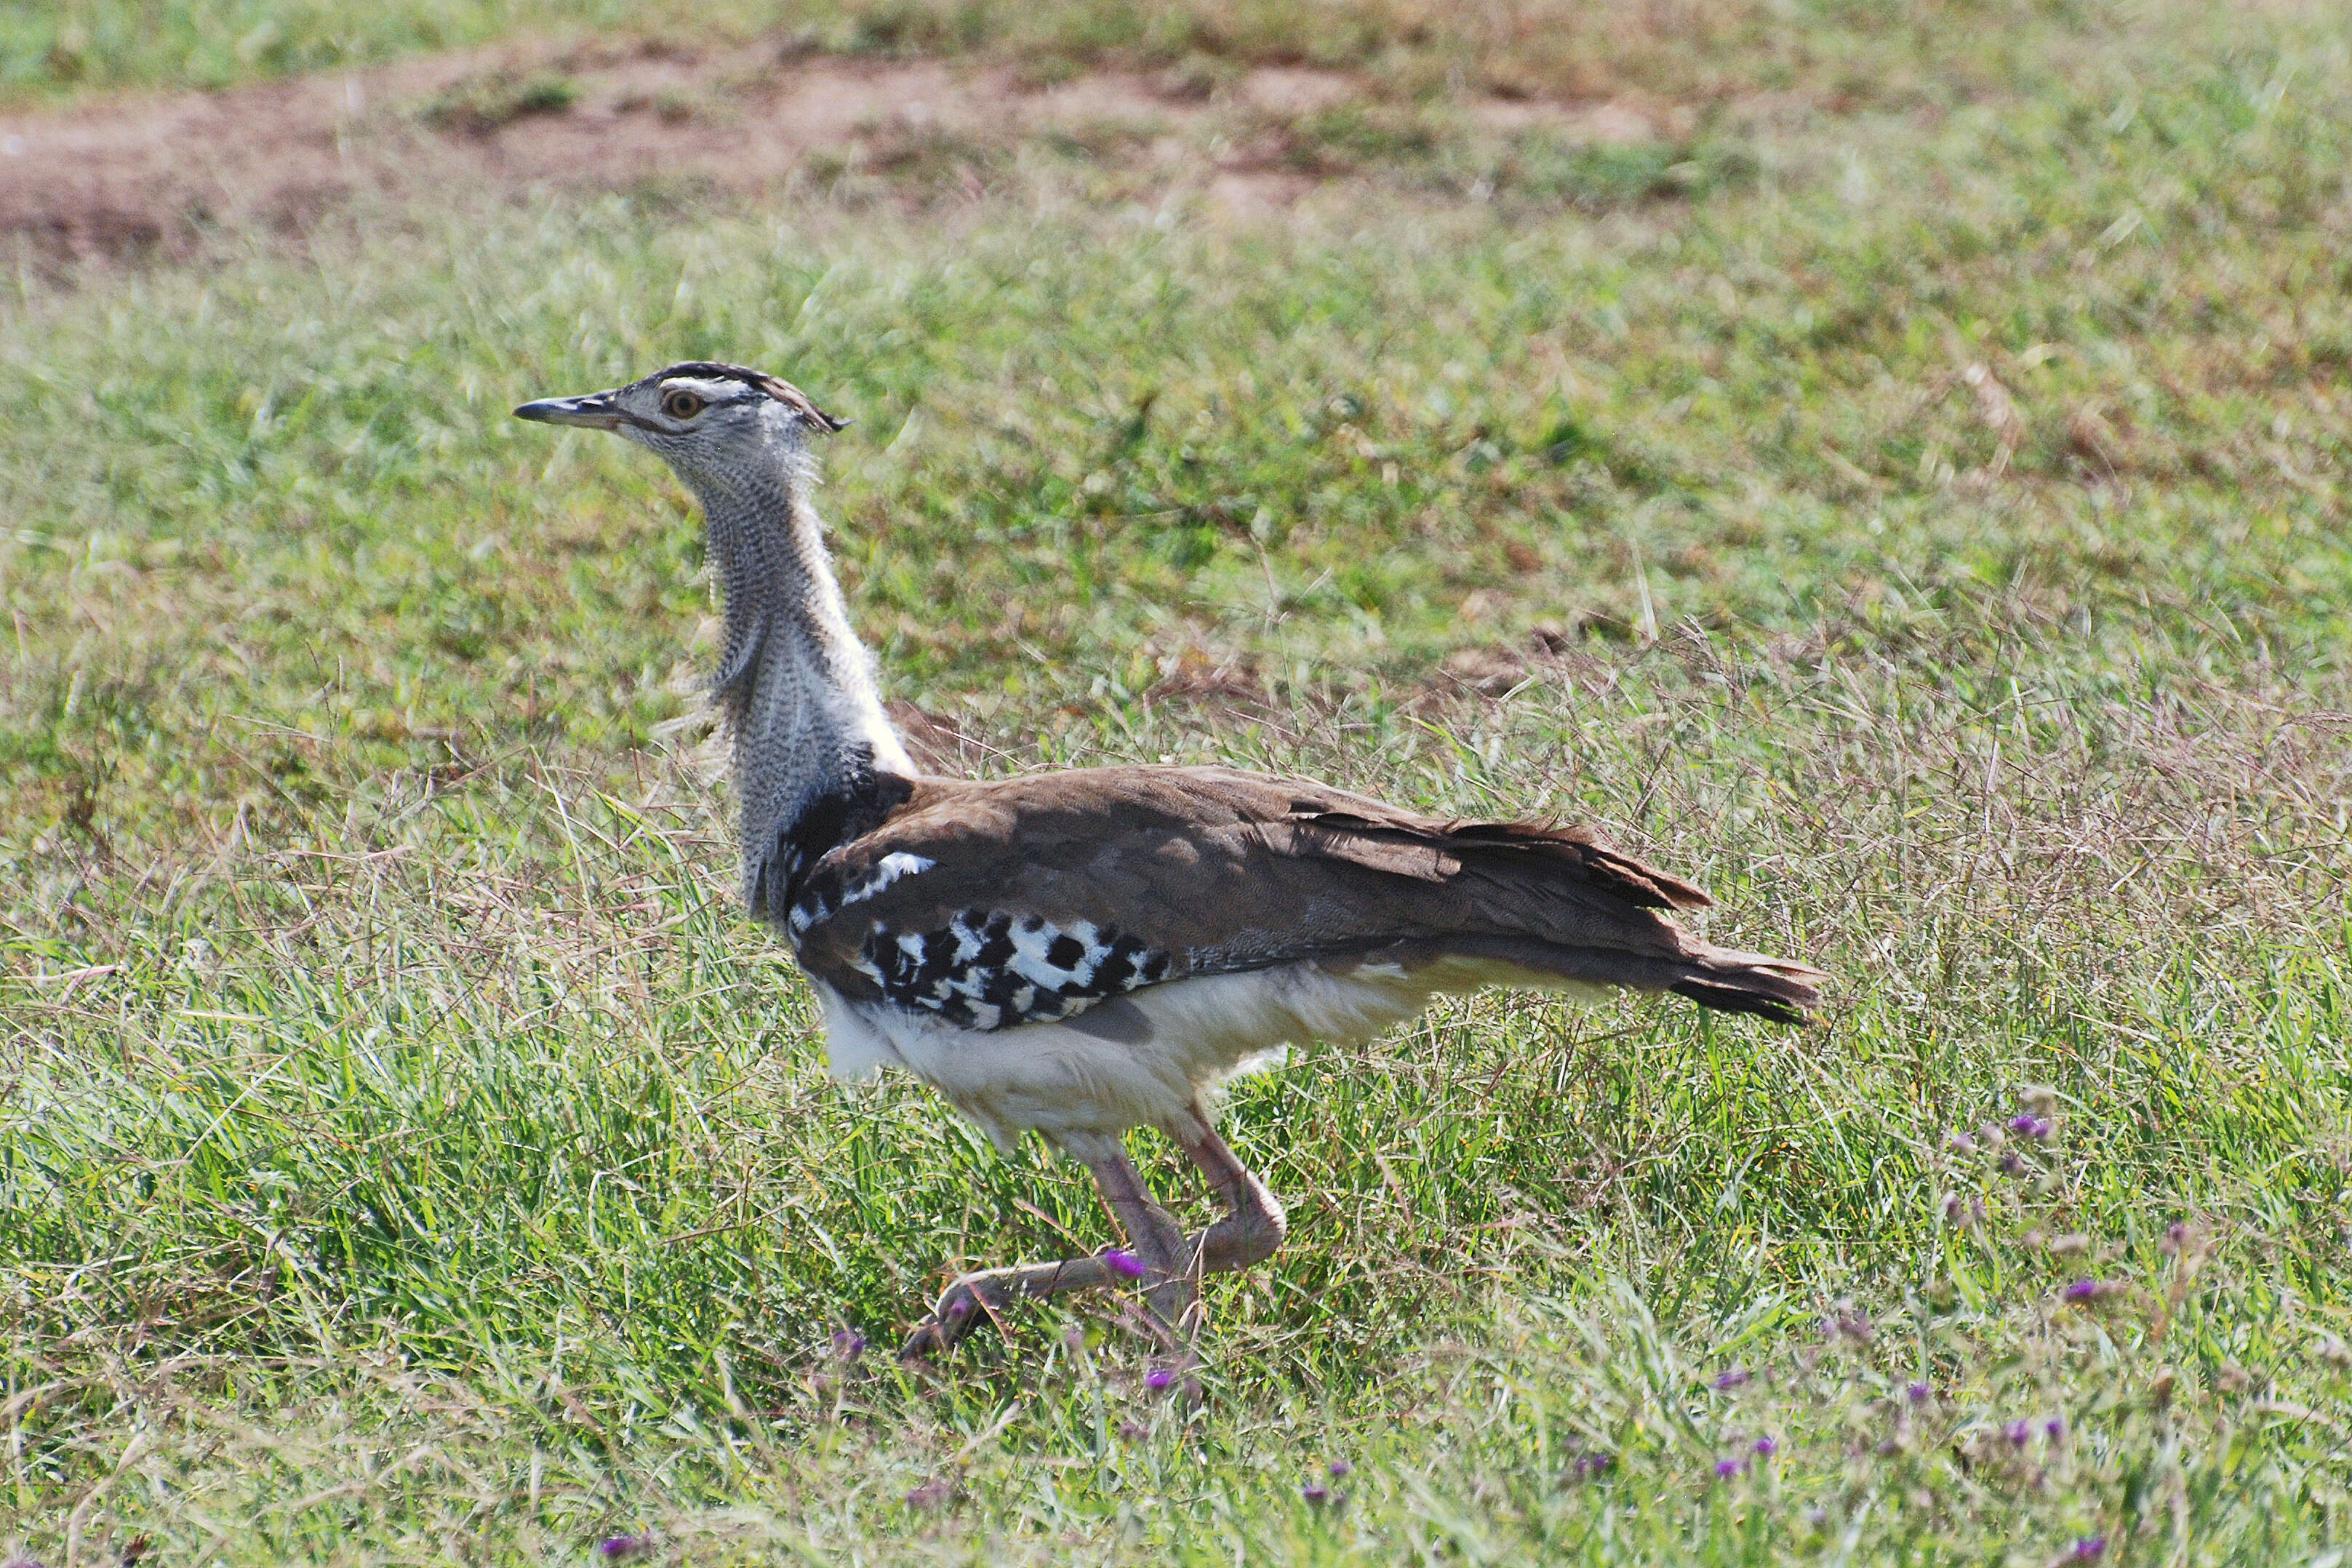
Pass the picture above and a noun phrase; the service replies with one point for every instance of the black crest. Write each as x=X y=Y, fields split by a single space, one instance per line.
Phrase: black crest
x=782 y=390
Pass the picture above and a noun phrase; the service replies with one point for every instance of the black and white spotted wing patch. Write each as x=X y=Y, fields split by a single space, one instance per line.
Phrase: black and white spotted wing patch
x=991 y=970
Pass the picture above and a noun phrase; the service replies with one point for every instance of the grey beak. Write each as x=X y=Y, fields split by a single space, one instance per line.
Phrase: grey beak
x=594 y=410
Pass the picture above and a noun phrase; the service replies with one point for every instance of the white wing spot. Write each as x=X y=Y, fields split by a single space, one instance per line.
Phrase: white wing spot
x=886 y=870
x=815 y=906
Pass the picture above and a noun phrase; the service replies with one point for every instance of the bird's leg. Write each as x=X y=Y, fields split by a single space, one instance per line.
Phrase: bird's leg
x=1254 y=1225
x=1157 y=1241
x=1169 y=1284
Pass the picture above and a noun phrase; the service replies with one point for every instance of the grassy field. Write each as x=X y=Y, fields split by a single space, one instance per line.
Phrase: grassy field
x=1913 y=504
x=1845 y=57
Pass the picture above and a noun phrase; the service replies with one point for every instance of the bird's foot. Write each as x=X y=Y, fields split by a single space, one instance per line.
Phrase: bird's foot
x=986 y=1294
x=963 y=1305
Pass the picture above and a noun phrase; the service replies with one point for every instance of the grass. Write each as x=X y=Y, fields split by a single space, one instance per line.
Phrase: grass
x=1923 y=525
x=61 y=49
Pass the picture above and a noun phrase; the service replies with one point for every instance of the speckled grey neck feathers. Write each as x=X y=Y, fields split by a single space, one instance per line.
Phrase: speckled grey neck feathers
x=815 y=759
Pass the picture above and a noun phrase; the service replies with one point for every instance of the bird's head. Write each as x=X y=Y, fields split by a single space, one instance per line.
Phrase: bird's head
x=706 y=420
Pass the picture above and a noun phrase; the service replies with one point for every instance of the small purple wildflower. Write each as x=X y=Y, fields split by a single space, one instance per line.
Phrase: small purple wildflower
x=849 y=1345
x=959 y=1308
x=1122 y=1261
x=1767 y=1446
x=2174 y=1235
x=2082 y=1293
x=1916 y=1393
x=2010 y=1165
x=1132 y=1432
x=1856 y=1326
x=614 y=1548
x=2089 y=1549
x=1959 y=1142
x=1725 y=1382
x=1340 y=1469
x=2018 y=1433
x=1727 y=1469
x=1318 y=1495
x=1158 y=1378
x=2027 y=1126
x=1817 y=1517
x=2054 y=1429
x=1592 y=1465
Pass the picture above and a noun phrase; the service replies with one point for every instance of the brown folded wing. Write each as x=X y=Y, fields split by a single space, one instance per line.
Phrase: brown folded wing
x=1023 y=900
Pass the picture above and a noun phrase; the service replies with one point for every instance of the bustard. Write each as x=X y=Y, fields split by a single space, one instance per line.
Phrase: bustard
x=1085 y=952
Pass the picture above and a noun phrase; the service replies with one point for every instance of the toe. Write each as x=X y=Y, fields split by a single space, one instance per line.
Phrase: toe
x=958 y=1313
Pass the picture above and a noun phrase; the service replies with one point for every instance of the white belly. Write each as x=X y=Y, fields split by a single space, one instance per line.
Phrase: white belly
x=1193 y=1035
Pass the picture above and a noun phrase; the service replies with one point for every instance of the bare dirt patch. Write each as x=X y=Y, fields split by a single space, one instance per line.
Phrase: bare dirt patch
x=139 y=176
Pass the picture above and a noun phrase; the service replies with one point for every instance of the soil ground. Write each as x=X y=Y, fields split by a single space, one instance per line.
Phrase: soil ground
x=137 y=175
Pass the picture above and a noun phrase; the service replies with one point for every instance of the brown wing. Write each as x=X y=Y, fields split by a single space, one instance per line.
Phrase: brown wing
x=1030 y=899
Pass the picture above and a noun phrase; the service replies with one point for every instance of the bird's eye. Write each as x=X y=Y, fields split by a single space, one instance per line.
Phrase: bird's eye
x=681 y=404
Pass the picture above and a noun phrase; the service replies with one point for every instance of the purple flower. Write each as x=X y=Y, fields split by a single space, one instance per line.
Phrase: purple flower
x=2088 y=1549
x=1952 y=1208
x=1959 y=1142
x=1725 y=1382
x=2018 y=1433
x=2054 y=1428
x=1916 y=1393
x=2174 y=1235
x=1592 y=1465
x=1856 y=1326
x=1159 y=1377
x=1340 y=1469
x=614 y=1548
x=2084 y=1291
x=1315 y=1493
x=849 y=1345
x=1727 y=1469
x=1767 y=1446
x=959 y=1308
x=1817 y=1517
x=1122 y=1261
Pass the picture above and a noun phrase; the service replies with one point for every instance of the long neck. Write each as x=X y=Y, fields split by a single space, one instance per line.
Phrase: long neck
x=817 y=761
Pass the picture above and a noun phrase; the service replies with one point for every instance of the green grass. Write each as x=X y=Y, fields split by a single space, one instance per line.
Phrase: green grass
x=54 y=48
x=1923 y=525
